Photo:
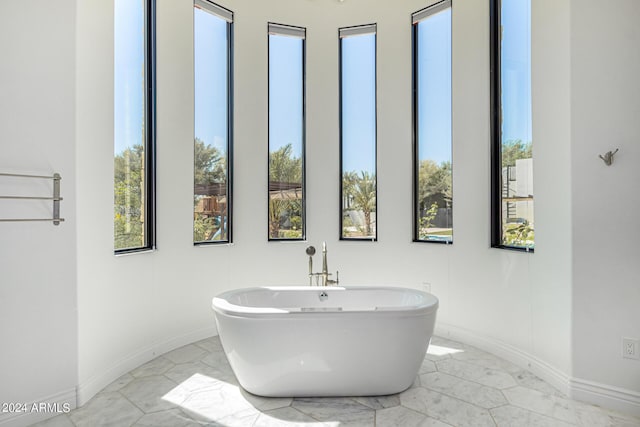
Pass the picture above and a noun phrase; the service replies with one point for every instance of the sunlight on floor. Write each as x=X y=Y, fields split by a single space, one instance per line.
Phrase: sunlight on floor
x=207 y=399
x=437 y=350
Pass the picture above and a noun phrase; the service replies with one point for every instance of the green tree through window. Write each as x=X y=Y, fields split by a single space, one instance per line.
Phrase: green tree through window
x=129 y=215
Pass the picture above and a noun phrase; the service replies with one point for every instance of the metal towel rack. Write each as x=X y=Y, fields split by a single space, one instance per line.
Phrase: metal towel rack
x=55 y=198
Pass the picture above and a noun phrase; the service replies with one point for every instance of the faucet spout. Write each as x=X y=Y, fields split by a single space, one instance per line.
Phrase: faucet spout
x=325 y=270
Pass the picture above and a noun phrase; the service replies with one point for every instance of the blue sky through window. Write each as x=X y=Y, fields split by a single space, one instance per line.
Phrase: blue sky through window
x=358 y=97
x=434 y=87
x=211 y=74
x=129 y=43
x=285 y=93
x=516 y=70
x=359 y=103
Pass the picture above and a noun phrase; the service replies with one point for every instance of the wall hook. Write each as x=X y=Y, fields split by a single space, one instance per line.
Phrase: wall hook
x=608 y=157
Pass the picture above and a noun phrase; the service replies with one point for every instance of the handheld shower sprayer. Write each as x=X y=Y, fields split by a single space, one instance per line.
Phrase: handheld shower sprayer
x=311 y=252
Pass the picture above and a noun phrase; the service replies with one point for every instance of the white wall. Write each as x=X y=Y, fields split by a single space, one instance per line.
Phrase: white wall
x=551 y=264
x=605 y=96
x=38 y=337
x=134 y=305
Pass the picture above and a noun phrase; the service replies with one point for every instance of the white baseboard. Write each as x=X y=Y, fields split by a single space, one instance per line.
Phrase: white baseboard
x=542 y=369
x=616 y=398
x=606 y=396
x=40 y=409
x=91 y=387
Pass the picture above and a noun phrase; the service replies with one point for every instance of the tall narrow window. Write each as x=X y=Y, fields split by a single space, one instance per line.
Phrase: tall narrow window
x=358 y=190
x=213 y=31
x=286 y=132
x=433 y=195
x=512 y=163
x=134 y=133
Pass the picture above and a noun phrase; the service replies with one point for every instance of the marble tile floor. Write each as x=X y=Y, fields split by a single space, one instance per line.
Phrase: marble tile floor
x=458 y=385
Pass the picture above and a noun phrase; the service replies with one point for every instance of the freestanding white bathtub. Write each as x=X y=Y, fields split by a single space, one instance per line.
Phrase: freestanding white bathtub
x=325 y=341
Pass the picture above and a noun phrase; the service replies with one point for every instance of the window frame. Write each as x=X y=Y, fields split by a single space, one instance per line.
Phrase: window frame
x=304 y=130
x=428 y=11
x=205 y=5
x=150 y=238
x=495 y=35
x=340 y=128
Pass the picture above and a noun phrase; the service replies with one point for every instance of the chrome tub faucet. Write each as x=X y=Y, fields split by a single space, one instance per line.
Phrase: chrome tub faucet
x=325 y=271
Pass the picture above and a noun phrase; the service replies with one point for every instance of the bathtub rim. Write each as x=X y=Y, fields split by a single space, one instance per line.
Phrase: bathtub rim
x=221 y=305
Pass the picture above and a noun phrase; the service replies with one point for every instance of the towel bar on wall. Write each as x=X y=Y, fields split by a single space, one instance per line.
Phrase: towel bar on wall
x=55 y=198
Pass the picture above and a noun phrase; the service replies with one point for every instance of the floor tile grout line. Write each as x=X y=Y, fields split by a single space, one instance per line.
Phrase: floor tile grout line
x=457 y=398
x=482 y=366
x=540 y=413
x=505 y=396
x=128 y=400
x=495 y=423
x=570 y=402
x=501 y=406
x=470 y=362
x=462 y=400
x=308 y=415
x=549 y=417
x=136 y=421
x=72 y=422
x=473 y=381
x=420 y=412
x=123 y=397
